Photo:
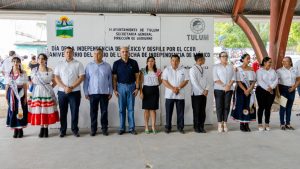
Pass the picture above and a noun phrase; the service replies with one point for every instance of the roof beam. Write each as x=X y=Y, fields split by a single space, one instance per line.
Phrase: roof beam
x=253 y=36
x=238 y=7
x=248 y=29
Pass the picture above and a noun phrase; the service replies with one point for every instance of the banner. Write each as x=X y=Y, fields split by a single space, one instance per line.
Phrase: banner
x=146 y=36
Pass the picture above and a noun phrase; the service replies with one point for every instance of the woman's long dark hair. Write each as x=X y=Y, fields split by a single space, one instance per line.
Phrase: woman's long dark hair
x=20 y=69
x=154 y=66
x=265 y=59
x=45 y=58
x=243 y=57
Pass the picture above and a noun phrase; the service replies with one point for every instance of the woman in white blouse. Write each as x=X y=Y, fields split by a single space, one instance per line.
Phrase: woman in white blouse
x=244 y=112
x=150 y=78
x=223 y=76
x=267 y=81
x=16 y=96
x=288 y=82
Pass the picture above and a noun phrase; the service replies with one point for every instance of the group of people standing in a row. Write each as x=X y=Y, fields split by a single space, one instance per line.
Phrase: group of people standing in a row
x=126 y=81
x=269 y=82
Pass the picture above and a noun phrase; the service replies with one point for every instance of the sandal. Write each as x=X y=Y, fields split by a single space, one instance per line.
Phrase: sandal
x=147 y=131
x=289 y=127
x=155 y=131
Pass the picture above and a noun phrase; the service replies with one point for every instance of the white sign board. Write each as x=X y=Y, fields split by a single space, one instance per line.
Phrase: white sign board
x=145 y=35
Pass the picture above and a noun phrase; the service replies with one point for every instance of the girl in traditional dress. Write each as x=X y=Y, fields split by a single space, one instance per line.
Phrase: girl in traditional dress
x=244 y=111
x=43 y=104
x=16 y=97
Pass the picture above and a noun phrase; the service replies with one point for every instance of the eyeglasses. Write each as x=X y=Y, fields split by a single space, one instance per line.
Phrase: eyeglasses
x=224 y=56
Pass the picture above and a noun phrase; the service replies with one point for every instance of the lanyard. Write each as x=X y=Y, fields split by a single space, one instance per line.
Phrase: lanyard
x=201 y=71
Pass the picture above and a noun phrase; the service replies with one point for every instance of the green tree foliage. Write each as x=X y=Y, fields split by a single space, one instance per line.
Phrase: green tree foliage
x=294 y=36
x=230 y=35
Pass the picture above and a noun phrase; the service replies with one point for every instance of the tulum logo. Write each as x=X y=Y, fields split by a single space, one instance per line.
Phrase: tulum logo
x=64 y=27
x=197 y=25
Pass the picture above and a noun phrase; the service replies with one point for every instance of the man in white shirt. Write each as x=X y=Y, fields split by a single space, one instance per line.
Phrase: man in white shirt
x=7 y=64
x=199 y=81
x=68 y=75
x=174 y=78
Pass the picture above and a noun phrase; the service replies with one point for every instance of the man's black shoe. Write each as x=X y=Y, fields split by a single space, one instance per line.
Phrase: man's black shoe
x=121 y=132
x=167 y=131
x=62 y=135
x=105 y=133
x=133 y=132
x=202 y=130
x=93 y=133
x=76 y=134
x=181 y=131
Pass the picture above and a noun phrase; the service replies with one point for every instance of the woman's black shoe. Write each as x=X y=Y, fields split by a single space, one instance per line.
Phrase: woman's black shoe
x=242 y=127
x=247 y=127
x=42 y=131
x=46 y=132
x=16 y=132
x=20 y=134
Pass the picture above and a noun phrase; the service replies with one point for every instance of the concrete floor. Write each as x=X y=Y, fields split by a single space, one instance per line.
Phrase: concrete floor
x=256 y=150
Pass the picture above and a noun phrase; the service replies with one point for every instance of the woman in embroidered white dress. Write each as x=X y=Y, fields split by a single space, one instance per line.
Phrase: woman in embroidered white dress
x=244 y=112
x=16 y=97
x=43 y=104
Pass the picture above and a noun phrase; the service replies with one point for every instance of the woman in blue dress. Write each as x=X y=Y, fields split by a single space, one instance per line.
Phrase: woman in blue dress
x=16 y=97
x=244 y=110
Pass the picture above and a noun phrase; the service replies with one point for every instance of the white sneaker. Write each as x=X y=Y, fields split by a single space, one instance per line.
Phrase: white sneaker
x=268 y=128
x=260 y=129
x=220 y=128
x=225 y=128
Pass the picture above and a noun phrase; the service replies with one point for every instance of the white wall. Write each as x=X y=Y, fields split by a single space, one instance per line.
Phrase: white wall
x=170 y=32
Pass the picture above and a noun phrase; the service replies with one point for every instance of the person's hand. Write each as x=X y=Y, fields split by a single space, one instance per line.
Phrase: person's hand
x=116 y=93
x=67 y=90
x=109 y=96
x=246 y=92
x=135 y=92
x=205 y=93
x=227 y=88
x=87 y=97
x=174 y=90
x=141 y=95
x=270 y=90
x=25 y=100
x=292 y=89
x=177 y=90
x=6 y=99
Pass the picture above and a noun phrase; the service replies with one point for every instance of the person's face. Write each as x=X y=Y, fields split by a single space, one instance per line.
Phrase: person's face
x=268 y=64
x=41 y=60
x=201 y=61
x=98 y=55
x=286 y=62
x=224 y=58
x=16 y=63
x=150 y=63
x=175 y=62
x=124 y=53
x=68 y=54
x=246 y=60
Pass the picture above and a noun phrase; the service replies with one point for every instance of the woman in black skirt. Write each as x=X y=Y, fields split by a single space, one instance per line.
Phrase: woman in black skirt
x=150 y=78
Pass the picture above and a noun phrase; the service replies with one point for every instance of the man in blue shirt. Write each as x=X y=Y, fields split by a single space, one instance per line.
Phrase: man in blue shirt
x=126 y=86
x=97 y=88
